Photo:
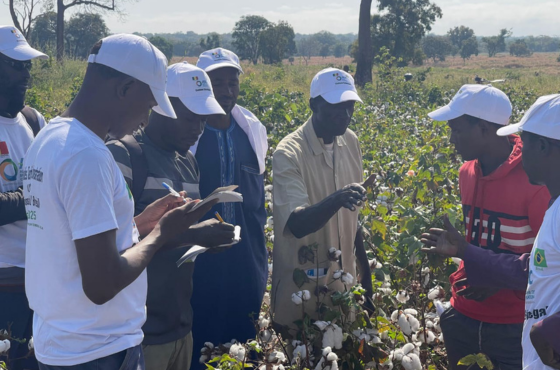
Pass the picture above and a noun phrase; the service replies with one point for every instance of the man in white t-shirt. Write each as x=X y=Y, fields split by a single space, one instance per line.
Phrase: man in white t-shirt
x=17 y=127
x=85 y=264
x=539 y=271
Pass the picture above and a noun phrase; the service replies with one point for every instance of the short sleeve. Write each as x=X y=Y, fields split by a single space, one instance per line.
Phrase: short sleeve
x=122 y=157
x=40 y=118
x=290 y=191
x=86 y=188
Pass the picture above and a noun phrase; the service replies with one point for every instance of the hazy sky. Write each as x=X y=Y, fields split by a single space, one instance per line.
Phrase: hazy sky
x=486 y=17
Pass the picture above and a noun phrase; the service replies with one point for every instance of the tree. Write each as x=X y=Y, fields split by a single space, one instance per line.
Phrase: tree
x=325 y=50
x=308 y=47
x=459 y=34
x=82 y=31
x=247 y=35
x=164 y=45
x=43 y=33
x=339 y=50
x=436 y=47
x=364 y=58
x=419 y=57
x=401 y=24
x=469 y=48
x=496 y=44
x=277 y=43
x=25 y=11
x=520 y=49
x=212 y=41
x=89 y=6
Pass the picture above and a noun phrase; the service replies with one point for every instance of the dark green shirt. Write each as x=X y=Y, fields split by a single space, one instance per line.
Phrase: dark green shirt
x=169 y=288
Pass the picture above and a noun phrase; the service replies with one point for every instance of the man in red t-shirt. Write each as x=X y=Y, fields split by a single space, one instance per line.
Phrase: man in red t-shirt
x=502 y=212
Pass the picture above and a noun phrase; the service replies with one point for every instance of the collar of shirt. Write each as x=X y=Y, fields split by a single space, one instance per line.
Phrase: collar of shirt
x=316 y=144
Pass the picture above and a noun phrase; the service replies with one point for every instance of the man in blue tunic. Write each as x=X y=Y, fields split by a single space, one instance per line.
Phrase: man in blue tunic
x=229 y=286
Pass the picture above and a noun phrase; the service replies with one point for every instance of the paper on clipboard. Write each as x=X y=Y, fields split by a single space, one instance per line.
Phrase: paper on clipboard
x=195 y=250
x=224 y=195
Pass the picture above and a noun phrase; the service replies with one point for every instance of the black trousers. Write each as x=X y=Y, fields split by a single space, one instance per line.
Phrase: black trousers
x=464 y=336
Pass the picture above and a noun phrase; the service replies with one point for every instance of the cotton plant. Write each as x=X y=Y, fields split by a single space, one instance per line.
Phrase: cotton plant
x=345 y=277
x=407 y=356
x=5 y=346
x=328 y=361
x=332 y=334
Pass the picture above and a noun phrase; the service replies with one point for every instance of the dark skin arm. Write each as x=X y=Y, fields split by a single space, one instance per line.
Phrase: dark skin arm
x=540 y=341
x=12 y=207
x=105 y=272
x=307 y=220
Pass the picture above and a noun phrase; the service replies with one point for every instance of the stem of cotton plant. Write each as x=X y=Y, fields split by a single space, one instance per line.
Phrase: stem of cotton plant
x=303 y=334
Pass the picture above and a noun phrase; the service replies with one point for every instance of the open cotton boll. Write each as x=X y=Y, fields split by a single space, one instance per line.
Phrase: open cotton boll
x=411 y=311
x=337 y=274
x=277 y=357
x=264 y=322
x=266 y=335
x=297 y=298
x=270 y=222
x=338 y=336
x=402 y=296
x=332 y=357
x=395 y=315
x=347 y=278
x=328 y=338
x=320 y=364
x=30 y=345
x=268 y=188
x=299 y=352
x=398 y=354
x=407 y=348
x=237 y=351
x=414 y=323
x=404 y=324
x=436 y=292
x=306 y=295
x=411 y=362
x=322 y=325
x=203 y=359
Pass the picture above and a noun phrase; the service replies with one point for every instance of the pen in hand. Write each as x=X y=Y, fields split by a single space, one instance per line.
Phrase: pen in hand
x=172 y=191
x=219 y=217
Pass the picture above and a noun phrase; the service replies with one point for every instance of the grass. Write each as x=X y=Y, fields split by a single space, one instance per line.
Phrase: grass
x=53 y=85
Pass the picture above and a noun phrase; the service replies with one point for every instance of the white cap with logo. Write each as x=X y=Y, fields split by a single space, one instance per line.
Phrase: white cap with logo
x=136 y=57
x=335 y=86
x=218 y=58
x=15 y=46
x=192 y=86
x=480 y=101
x=543 y=119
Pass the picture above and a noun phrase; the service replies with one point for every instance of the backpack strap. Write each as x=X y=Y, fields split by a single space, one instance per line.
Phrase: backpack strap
x=32 y=119
x=139 y=166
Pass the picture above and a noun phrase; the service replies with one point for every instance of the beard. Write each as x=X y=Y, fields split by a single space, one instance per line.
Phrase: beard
x=15 y=99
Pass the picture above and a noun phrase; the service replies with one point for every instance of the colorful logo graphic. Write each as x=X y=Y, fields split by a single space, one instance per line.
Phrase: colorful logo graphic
x=217 y=55
x=16 y=33
x=3 y=148
x=540 y=259
x=129 y=193
x=8 y=170
x=337 y=76
x=200 y=83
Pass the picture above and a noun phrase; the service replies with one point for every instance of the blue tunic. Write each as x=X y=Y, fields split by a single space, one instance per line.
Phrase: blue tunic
x=229 y=286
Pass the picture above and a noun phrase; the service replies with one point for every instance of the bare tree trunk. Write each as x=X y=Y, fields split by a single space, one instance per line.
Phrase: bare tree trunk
x=365 y=48
x=14 y=16
x=60 y=9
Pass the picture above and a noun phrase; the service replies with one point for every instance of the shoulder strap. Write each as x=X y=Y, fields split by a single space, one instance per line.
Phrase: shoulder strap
x=139 y=165
x=32 y=119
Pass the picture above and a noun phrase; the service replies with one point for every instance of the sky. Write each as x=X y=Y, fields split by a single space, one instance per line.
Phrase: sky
x=486 y=17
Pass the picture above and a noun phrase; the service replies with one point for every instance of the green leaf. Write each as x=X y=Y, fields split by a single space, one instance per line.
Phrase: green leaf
x=480 y=359
x=379 y=227
x=300 y=277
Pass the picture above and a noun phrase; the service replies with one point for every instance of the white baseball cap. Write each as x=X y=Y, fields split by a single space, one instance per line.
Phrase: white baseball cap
x=218 y=58
x=192 y=86
x=335 y=86
x=543 y=118
x=15 y=46
x=480 y=101
x=136 y=57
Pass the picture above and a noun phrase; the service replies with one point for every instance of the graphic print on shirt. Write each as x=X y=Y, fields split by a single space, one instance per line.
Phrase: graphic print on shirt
x=499 y=232
x=31 y=201
x=8 y=168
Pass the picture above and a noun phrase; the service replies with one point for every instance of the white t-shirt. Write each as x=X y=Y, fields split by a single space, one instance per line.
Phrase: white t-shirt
x=74 y=189
x=15 y=138
x=542 y=298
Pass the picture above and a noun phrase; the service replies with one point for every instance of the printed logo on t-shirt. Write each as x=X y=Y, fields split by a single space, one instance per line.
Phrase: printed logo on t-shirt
x=3 y=149
x=129 y=192
x=540 y=259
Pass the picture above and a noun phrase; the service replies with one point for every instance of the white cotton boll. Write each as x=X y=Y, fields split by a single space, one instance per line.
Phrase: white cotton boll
x=332 y=250
x=299 y=352
x=3 y=347
x=347 y=278
x=402 y=296
x=411 y=362
x=277 y=356
x=237 y=351
x=436 y=293
x=404 y=325
x=385 y=335
x=326 y=351
x=268 y=188
x=332 y=356
x=266 y=298
x=337 y=274
x=278 y=367
x=209 y=345
x=266 y=335
x=387 y=365
x=338 y=336
x=375 y=340
x=30 y=345
x=398 y=354
x=270 y=222
x=8 y=344
x=328 y=337
x=407 y=348
x=334 y=366
x=203 y=359
x=414 y=323
x=306 y=295
x=411 y=311
x=296 y=298
x=456 y=260
x=264 y=322
x=395 y=315
x=322 y=325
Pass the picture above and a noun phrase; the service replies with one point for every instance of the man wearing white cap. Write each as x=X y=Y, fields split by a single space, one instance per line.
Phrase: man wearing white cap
x=164 y=157
x=318 y=188
x=18 y=126
x=503 y=212
x=537 y=272
x=231 y=151
x=85 y=264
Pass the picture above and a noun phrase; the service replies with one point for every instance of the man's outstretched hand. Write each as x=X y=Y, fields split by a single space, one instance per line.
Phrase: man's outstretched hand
x=448 y=242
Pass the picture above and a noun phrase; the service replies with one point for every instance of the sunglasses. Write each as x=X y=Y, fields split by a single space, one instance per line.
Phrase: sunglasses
x=18 y=65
